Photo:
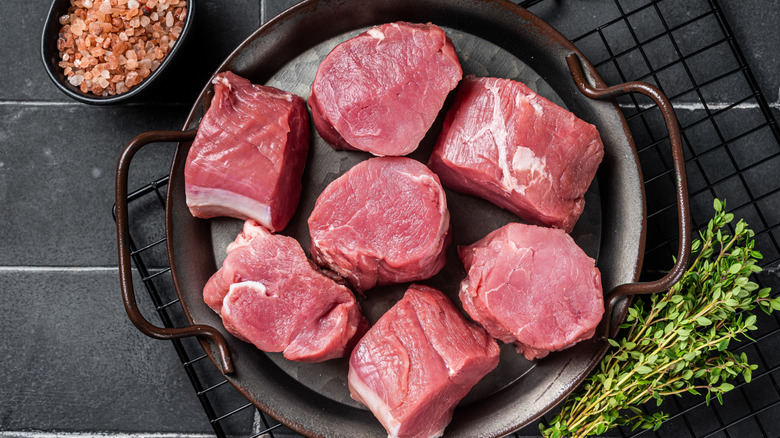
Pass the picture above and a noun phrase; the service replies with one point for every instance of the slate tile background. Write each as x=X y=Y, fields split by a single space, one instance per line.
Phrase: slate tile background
x=69 y=358
x=73 y=362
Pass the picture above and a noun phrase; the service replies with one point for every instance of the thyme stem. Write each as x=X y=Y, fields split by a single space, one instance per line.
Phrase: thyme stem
x=676 y=342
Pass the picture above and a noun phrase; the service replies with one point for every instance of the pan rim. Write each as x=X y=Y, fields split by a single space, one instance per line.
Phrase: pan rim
x=549 y=32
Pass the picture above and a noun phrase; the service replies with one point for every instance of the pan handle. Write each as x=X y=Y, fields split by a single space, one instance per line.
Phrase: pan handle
x=123 y=242
x=683 y=209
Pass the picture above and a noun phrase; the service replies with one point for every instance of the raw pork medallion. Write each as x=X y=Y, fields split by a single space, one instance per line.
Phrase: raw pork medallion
x=532 y=286
x=503 y=142
x=248 y=156
x=269 y=294
x=417 y=362
x=383 y=221
x=380 y=91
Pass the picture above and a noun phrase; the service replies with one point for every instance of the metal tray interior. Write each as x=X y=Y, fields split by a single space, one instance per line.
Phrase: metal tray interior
x=471 y=218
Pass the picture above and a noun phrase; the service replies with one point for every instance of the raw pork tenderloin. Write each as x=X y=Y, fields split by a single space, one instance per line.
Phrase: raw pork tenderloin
x=383 y=221
x=248 y=155
x=417 y=362
x=269 y=294
x=532 y=286
x=380 y=91
x=503 y=142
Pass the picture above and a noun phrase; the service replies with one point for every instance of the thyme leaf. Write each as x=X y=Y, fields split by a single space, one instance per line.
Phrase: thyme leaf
x=676 y=341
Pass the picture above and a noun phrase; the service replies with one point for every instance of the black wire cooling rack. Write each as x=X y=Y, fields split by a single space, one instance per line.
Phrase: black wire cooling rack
x=639 y=40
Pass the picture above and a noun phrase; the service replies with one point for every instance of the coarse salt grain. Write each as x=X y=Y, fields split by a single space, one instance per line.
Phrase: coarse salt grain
x=109 y=46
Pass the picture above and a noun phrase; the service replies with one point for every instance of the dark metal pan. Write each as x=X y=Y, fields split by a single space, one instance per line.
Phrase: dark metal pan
x=493 y=38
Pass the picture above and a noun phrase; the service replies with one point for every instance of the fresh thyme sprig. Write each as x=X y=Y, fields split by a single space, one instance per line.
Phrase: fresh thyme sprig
x=676 y=342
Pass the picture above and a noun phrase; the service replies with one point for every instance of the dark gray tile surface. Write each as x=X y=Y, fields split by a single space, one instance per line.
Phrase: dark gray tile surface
x=271 y=9
x=71 y=360
x=20 y=42
x=57 y=173
x=755 y=25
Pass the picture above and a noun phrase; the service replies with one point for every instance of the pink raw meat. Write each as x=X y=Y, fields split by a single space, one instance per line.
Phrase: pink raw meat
x=532 y=286
x=269 y=294
x=383 y=221
x=503 y=142
x=248 y=156
x=417 y=362
x=380 y=91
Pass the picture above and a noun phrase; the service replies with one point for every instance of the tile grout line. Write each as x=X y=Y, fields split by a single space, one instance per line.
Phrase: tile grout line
x=691 y=106
x=28 y=434
x=9 y=269
x=44 y=103
x=696 y=106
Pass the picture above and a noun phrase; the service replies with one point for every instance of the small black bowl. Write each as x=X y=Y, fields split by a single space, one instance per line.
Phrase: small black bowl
x=51 y=58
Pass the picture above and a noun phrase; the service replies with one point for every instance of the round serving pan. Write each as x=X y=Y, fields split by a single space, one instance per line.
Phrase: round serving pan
x=493 y=38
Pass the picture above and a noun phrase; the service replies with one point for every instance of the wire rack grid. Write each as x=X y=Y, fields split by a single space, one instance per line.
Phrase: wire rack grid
x=643 y=40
